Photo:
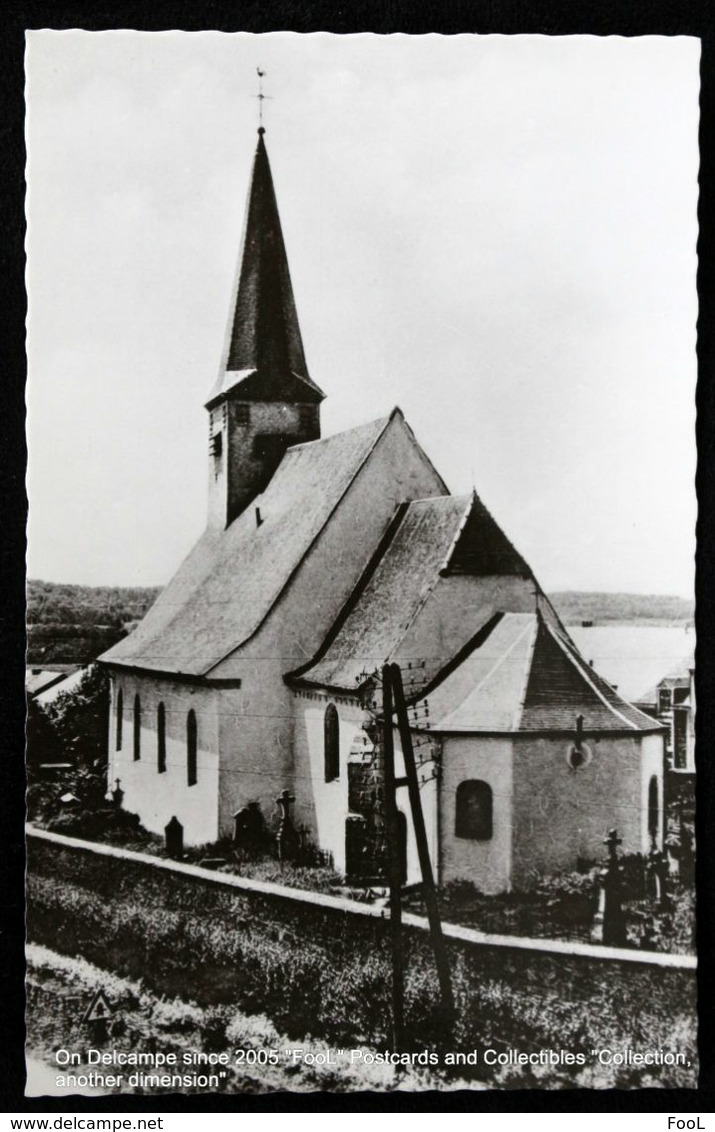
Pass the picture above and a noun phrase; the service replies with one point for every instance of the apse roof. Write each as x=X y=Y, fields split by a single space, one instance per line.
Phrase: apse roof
x=526 y=675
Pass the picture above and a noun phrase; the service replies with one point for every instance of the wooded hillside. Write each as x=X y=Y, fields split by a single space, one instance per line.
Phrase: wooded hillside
x=574 y=606
x=74 y=624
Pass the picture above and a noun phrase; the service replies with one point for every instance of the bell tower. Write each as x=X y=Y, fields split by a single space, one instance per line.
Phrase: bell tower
x=264 y=400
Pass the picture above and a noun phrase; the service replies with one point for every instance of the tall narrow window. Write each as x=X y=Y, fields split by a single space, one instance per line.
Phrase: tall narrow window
x=160 y=739
x=331 y=738
x=191 y=748
x=120 y=718
x=665 y=699
x=137 y=729
x=653 y=808
x=474 y=803
x=680 y=738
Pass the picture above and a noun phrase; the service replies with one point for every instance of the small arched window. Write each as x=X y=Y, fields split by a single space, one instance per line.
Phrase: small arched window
x=331 y=738
x=120 y=718
x=191 y=740
x=137 y=729
x=160 y=739
x=474 y=805
x=653 y=808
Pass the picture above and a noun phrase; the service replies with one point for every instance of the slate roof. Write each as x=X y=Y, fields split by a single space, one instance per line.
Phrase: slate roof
x=66 y=684
x=431 y=542
x=486 y=690
x=264 y=359
x=390 y=594
x=527 y=676
x=231 y=579
x=37 y=681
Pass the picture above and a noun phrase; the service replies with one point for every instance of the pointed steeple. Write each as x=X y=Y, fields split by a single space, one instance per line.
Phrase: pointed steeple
x=264 y=401
x=263 y=358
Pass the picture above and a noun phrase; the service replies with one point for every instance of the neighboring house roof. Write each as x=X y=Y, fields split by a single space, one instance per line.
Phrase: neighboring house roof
x=232 y=578
x=526 y=676
x=675 y=682
x=38 y=679
x=441 y=557
x=66 y=684
x=636 y=657
x=263 y=358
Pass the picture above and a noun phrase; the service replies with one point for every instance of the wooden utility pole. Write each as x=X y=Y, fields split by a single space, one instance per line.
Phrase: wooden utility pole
x=394 y=866
x=418 y=823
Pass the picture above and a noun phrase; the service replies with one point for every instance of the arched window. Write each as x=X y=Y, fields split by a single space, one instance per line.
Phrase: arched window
x=474 y=806
x=191 y=748
x=653 y=808
x=137 y=728
x=160 y=739
x=331 y=739
x=120 y=718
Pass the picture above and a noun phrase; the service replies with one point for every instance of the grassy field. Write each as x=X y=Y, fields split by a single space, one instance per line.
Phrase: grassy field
x=317 y=972
x=59 y=990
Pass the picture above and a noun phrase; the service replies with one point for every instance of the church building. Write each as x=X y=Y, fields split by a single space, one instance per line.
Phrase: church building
x=324 y=558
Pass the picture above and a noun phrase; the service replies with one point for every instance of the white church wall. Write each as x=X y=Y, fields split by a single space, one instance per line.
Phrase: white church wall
x=256 y=735
x=458 y=607
x=256 y=743
x=331 y=798
x=562 y=815
x=157 y=797
x=487 y=864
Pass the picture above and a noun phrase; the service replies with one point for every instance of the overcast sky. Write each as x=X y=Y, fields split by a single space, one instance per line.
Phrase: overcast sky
x=496 y=233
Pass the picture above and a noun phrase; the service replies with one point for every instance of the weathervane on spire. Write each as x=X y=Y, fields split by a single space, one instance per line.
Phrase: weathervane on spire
x=261 y=99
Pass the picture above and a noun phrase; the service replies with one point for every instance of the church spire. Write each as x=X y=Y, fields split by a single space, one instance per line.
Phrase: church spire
x=263 y=358
x=264 y=400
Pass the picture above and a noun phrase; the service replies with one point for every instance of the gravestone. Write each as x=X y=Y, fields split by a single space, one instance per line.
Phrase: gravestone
x=174 y=838
x=118 y=794
x=657 y=872
x=687 y=857
x=286 y=838
x=609 y=925
x=672 y=849
x=358 y=860
x=249 y=828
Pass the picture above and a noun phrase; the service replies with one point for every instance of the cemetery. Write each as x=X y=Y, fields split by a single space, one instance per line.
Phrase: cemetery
x=260 y=921
x=633 y=901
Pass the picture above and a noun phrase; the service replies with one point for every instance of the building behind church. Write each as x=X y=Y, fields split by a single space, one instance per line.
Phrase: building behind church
x=322 y=559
